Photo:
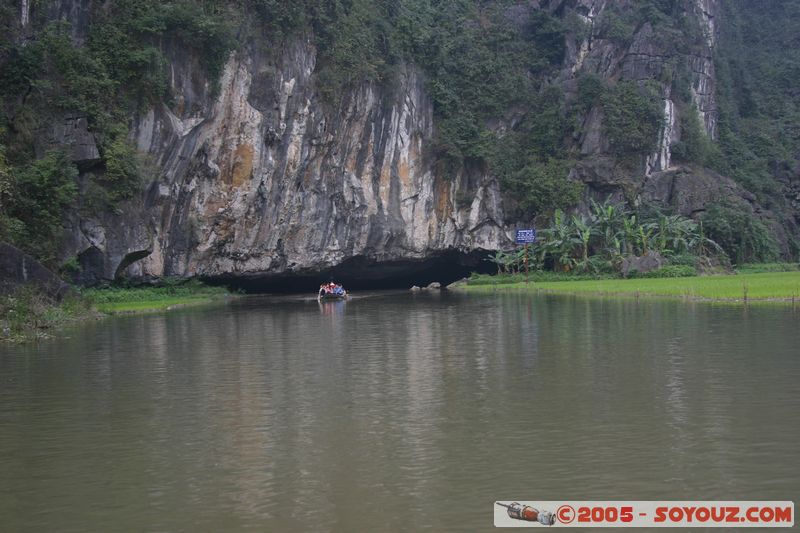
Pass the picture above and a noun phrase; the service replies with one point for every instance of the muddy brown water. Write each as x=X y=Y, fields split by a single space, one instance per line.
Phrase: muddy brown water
x=394 y=412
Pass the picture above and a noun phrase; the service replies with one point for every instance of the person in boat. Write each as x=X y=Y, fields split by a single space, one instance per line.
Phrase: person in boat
x=326 y=288
x=331 y=289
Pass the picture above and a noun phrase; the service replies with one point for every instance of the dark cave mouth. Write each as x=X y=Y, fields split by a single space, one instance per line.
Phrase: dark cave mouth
x=361 y=273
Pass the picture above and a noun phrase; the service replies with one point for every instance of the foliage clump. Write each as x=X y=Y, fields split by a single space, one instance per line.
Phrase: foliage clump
x=743 y=237
x=759 y=107
x=598 y=242
x=29 y=314
x=633 y=115
x=488 y=66
x=117 y=70
x=32 y=201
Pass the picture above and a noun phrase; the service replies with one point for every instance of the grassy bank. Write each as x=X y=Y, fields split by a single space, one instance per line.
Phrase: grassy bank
x=764 y=286
x=28 y=314
x=116 y=300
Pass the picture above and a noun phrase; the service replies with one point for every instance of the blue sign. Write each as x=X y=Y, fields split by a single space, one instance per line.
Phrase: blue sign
x=526 y=236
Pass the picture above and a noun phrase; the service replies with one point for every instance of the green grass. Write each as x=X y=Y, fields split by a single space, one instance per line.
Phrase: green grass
x=114 y=300
x=537 y=276
x=762 y=286
x=30 y=314
x=758 y=268
x=148 y=305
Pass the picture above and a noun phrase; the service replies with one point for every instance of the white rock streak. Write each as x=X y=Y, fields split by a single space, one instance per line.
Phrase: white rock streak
x=661 y=158
x=25 y=12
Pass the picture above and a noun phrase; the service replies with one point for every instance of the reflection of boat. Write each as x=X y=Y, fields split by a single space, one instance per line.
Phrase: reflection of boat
x=332 y=307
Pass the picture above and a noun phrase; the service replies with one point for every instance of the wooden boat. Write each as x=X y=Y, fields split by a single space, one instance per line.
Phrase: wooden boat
x=331 y=297
x=326 y=295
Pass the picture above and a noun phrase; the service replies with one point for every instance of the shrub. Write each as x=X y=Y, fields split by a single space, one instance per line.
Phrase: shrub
x=43 y=191
x=669 y=271
x=590 y=89
x=617 y=27
x=539 y=187
x=740 y=234
x=694 y=146
x=71 y=266
x=28 y=313
x=632 y=118
x=683 y=259
x=123 y=172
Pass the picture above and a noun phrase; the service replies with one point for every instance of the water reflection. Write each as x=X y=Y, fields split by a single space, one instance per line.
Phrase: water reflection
x=332 y=307
x=394 y=412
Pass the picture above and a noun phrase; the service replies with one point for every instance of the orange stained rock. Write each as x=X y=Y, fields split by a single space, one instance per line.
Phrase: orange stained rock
x=403 y=172
x=242 y=167
x=442 y=196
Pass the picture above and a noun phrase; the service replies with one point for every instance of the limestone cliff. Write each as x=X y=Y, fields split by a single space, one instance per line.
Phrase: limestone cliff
x=264 y=179
x=263 y=176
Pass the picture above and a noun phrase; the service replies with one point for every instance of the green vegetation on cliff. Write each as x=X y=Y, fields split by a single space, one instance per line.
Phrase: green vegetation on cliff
x=494 y=72
x=33 y=198
x=758 y=64
x=633 y=116
x=113 y=70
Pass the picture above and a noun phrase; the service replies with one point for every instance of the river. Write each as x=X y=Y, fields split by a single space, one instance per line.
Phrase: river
x=394 y=412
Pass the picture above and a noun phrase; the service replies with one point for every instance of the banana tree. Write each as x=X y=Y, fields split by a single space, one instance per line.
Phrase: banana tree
x=702 y=245
x=644 y=236
x=672 y=233
x=499 y=258
x=583 y=232
x=561 y=241
x=630 y=235
x=609 y=220
x=519 y=259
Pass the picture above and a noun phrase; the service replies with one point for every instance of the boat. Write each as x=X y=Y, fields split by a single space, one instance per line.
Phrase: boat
x=324 y=297
x=331 y=291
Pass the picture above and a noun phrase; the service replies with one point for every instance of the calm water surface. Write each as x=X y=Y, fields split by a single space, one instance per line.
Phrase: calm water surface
x=394 y=412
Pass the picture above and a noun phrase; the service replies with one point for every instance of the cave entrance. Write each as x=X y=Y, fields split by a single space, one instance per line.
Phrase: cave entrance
x=360 y=273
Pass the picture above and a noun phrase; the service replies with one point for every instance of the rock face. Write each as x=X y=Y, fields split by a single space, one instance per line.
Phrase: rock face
x=688 y=192
x=646 y=263
x=18 y=268
x=73 y=134
x=265 y=178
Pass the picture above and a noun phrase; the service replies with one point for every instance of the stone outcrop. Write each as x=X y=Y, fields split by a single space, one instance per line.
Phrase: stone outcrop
x=18 y=269
x=642 y=264
x=688 y=191
x=72 y=133
x=267 y=177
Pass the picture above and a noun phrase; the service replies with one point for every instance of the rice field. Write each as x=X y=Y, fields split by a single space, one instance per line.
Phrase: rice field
x=783 y=286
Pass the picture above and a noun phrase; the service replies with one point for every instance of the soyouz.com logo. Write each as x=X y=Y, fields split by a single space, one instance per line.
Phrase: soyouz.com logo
x=644 y=514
